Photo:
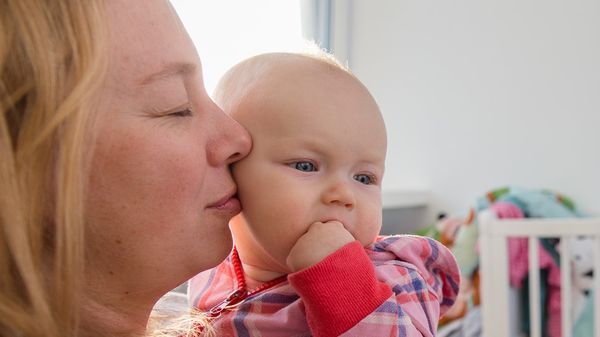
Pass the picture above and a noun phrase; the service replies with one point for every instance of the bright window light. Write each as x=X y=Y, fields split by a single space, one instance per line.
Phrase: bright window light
x=228 y=31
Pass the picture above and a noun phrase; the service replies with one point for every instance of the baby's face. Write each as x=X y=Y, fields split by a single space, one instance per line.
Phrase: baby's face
x=318 y=154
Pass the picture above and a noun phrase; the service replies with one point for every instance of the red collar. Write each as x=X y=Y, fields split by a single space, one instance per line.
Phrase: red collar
x=236 y=297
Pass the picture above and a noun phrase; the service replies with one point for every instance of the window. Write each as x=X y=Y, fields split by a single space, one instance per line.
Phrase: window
x=228 y=31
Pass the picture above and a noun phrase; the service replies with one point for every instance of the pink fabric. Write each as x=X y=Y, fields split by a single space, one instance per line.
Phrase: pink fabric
x=518 y=256
x=346 y=294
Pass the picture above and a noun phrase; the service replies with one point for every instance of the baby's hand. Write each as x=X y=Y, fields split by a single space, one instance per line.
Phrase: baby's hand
x=321 y=240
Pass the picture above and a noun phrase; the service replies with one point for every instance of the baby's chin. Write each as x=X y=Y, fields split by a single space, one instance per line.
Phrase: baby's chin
x=368 y=241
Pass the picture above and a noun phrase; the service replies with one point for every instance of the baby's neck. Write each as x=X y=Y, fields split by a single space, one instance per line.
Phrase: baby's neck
x=255 y=276
x=259 y=266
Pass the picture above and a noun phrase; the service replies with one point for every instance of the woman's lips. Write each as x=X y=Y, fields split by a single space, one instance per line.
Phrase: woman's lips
x=229 y=204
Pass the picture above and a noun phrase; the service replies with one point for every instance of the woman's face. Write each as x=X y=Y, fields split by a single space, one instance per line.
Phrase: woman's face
x=160 y=193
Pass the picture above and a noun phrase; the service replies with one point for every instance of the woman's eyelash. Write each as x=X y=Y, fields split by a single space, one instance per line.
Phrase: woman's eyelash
x=187 y=112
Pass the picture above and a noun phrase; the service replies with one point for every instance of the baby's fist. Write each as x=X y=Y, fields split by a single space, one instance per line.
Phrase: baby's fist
x=320 y=241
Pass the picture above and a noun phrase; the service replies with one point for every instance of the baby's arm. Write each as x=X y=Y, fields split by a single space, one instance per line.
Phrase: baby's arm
x=421 y=272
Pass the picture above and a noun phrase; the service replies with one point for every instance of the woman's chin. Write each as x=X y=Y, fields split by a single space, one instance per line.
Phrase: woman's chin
x=219 y=252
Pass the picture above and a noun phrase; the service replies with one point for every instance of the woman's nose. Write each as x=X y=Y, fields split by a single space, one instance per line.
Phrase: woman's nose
x=233 y=143
x=339 y=193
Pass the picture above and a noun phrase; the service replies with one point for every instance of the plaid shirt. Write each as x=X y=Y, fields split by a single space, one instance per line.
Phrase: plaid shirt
x=397 y=286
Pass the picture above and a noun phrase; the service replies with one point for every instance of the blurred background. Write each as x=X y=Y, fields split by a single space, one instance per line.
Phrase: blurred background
x=476 y=95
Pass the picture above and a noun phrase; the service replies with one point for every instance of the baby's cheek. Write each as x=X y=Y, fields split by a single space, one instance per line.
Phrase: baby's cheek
x=287 y=237
x=368 y=231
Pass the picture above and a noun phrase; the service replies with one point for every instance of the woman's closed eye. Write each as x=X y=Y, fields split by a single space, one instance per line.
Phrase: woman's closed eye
x=304 y=166
x=187 y=112
x=183 y=110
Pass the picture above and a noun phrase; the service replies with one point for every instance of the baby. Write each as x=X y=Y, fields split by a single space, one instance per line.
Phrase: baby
x=308 y=259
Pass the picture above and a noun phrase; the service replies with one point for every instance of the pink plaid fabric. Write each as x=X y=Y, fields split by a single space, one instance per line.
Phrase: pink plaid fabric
x=398 y=286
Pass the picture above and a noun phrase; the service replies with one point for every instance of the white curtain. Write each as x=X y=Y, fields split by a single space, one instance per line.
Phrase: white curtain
x=329 y=24
x=316 y=21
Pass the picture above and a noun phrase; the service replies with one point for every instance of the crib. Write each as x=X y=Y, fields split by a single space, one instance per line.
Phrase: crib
x=493 y=234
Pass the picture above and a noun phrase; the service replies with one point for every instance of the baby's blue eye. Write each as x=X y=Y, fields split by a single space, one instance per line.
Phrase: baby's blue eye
x=364 y=179
x=304 y=166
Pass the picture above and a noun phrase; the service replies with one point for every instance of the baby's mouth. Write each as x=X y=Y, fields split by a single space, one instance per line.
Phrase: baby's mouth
x=333 y=219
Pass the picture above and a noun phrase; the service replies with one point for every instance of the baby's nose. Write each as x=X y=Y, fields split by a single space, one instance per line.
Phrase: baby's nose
x=339 y=194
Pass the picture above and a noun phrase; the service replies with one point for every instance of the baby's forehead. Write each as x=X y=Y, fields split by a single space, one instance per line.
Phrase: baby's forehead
x=276 y=72
x=280 y=89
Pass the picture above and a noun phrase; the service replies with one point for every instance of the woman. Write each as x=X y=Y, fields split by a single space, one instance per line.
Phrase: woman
x=114 y=180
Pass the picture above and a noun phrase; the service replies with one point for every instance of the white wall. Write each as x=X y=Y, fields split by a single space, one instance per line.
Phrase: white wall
x=481 y=94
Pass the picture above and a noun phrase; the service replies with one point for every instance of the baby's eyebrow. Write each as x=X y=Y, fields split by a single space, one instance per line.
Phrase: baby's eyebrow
x=169 y=70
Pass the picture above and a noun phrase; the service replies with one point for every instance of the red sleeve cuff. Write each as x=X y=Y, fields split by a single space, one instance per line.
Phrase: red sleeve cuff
x=339 y=291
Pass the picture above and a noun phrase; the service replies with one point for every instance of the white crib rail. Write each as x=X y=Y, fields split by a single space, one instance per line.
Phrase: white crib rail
x=493 y=234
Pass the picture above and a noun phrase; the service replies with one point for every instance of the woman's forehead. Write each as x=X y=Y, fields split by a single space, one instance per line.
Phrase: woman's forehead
x=165 y=42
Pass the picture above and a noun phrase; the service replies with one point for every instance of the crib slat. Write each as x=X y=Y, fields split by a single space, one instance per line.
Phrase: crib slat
x=534 y=289
x=494 y=282
x=485 y=274
x=547 y=228
x=501 y=280
x=596 y=287
x=565 y=288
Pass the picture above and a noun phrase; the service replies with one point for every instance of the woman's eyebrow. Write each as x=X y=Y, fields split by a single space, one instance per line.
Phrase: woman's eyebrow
x=169 y=70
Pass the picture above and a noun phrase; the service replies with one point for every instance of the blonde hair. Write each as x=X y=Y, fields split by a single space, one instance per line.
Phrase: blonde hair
x=312 y=50
x=193 y=323
x=52 y=60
